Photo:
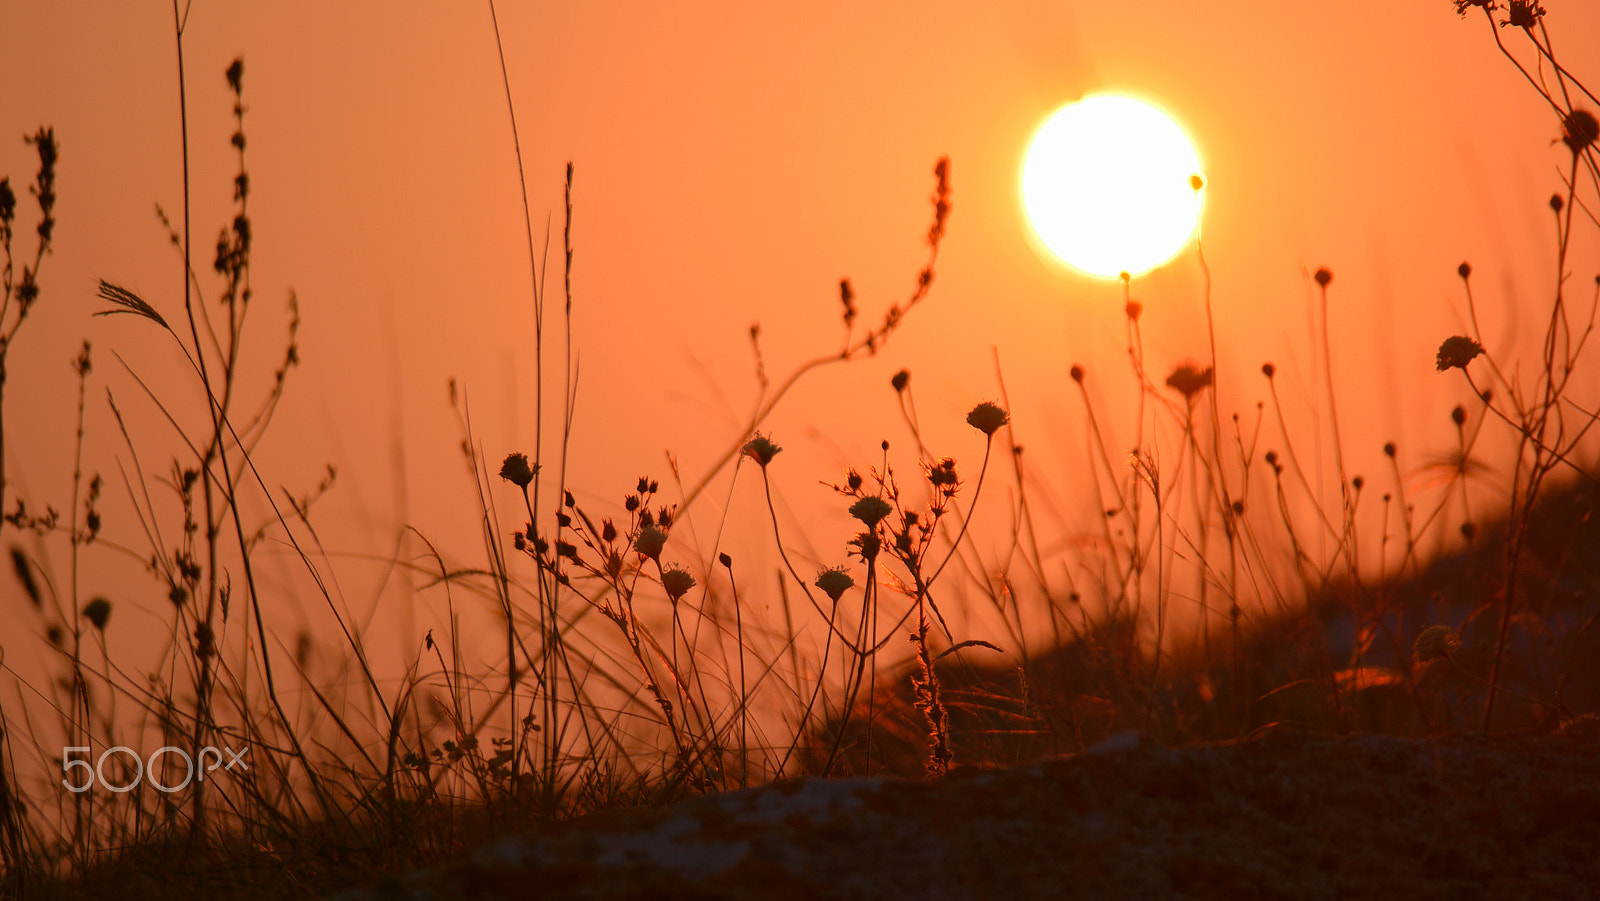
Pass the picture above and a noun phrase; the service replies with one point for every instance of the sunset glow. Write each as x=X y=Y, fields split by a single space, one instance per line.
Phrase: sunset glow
x=427 y=424
x=1107 y=185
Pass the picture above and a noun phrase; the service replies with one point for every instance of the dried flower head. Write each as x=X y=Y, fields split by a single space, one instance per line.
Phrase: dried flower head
x=761 y=449
x=1269 y=370
x=650 y=542
x=870 y=510
x=97 y=612
x=1579 y=129
x=517 y=470
x=852 y=480
x=1522 y=14
x=901 y=380
x=940 y=474
x=1076 y=372
x=987 y=418
x=1188 y=379
x=834 y=582
x=1323 y=277
x=677 y=582
x=1464 y=270
x=1456 y=352
x=1435 y=643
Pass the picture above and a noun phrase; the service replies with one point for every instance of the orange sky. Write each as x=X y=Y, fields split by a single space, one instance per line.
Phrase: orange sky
x=733 y=162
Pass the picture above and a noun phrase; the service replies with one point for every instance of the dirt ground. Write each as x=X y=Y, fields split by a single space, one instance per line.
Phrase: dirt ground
x=1283 y=814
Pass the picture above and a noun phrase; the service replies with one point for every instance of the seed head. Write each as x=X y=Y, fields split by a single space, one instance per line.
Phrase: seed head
x=1464 y=270
x=761 y=449
x=834 y=582
x=987 y=418
x=1456 y=352
x=677 y=582
x=650 y=541
x=1269 y=370
x=870 y=510
x=1323 y=277
x=517 y=470
x=1133 y=309
x=97 y=612
x=1188 y=379
x=1522 y=14
x=941 y=474
x=1459 y=416
x=901 y=380
x=1076 y=372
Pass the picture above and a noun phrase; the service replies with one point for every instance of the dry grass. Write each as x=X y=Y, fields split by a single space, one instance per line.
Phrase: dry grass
x=1216 y=595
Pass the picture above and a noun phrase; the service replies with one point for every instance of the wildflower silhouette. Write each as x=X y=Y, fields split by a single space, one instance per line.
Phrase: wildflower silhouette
x=677 y=582
x=516 y=470
x=834 y=582
x=1188 y=379
x=987 y=418
x=761 y=449
x=650 y=542
x=1456 y=352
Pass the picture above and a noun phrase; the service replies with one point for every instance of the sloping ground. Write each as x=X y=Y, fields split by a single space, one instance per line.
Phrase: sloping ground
x=1340 y=662
x=1285 y=814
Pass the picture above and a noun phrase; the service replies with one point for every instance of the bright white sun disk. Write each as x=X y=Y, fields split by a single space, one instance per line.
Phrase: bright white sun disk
x=1107 y=186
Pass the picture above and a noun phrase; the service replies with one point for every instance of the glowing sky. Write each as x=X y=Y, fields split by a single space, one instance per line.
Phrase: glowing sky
x=734 y=161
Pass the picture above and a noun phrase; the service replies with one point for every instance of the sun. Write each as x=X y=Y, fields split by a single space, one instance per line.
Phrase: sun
x=1111 y=185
